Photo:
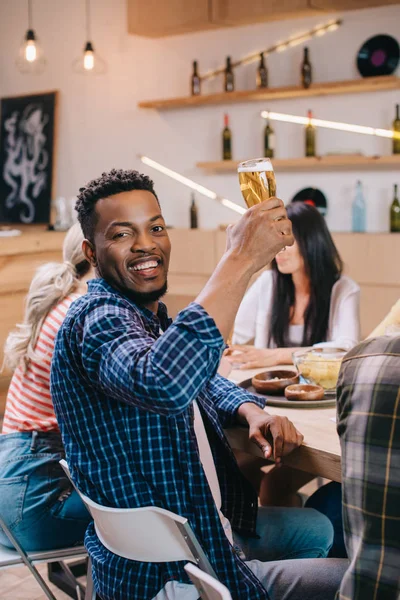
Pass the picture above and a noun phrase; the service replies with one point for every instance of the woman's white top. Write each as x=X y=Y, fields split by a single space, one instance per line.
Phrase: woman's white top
x=254 y=314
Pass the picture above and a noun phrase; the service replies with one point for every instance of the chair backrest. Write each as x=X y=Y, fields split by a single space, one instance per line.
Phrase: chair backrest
x=145 y=534
x=208 y=587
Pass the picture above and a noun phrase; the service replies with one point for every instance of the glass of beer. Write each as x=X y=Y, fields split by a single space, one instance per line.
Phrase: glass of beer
x=257 y=180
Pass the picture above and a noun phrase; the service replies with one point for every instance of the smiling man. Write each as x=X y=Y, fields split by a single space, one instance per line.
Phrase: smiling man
x=142 y=410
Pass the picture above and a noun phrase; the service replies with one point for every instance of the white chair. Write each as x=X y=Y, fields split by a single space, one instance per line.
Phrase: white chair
x=18 y=557
x=146 y=534
x=208 y=587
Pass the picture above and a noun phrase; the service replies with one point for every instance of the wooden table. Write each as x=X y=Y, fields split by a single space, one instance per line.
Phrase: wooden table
x=320 y=451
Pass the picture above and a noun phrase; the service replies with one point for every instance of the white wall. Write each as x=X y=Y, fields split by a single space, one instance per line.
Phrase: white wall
x=101 y=127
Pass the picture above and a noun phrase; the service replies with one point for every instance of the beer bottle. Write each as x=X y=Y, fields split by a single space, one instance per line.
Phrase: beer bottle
x=396 y=129
x=262 y=73
x=395 y=213
x=359 y=210
x=269 y=140
x=193 y=214
x=195 y=82
x=229 y=78
x=226 y=140
x=310 y=136
x=306 y=70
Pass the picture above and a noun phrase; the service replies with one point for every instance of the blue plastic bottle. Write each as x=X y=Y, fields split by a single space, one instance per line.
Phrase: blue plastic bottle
x=359 y=211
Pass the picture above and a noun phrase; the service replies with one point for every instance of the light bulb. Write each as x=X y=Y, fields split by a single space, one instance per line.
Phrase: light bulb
x=30 y=58
x=88 y=60
x=30 y=51
x=90 y=63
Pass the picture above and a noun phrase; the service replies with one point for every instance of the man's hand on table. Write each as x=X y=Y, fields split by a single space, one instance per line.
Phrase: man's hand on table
x=271 y=433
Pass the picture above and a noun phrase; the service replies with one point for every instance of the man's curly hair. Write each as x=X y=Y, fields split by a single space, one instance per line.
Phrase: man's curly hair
x=109 y=184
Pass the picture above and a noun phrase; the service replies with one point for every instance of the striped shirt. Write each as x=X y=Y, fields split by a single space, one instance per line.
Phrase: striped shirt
x=29 y=405
x=369 y=428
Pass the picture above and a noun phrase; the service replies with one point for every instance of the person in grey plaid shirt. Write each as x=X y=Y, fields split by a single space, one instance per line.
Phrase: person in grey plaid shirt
x=142 y=409
x=368 y=423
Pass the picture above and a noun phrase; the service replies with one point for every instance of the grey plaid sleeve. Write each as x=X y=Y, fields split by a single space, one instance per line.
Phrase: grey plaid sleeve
x=369 y=428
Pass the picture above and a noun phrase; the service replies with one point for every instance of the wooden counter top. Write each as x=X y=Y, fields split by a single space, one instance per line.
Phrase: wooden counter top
x=33 y=239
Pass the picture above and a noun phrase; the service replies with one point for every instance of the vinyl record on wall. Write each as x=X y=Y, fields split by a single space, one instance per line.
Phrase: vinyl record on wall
x=378 y=56
x=313 y=197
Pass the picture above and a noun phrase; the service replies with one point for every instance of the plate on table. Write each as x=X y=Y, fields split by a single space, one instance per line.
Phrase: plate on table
x=283 y=401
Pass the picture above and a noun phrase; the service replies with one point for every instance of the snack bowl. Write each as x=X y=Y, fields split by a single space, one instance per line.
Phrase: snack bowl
x=304 y=391
x=274 y=381
x=319 y=366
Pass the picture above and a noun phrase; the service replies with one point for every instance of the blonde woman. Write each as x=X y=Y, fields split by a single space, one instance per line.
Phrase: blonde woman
x=36 y=499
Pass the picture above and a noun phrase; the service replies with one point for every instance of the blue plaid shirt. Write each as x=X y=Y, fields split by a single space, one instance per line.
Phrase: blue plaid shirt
x=123 y=396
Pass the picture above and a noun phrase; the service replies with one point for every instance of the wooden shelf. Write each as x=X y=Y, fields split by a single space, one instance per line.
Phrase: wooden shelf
x=351 y=86
x=318 y=163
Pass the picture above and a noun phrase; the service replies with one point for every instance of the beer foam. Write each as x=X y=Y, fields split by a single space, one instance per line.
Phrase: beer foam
x=255 y=164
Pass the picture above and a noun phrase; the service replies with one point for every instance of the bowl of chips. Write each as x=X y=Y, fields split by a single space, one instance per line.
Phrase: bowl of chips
x=320 y=366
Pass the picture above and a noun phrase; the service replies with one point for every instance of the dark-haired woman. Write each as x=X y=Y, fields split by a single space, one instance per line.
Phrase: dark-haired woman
x=303 y=300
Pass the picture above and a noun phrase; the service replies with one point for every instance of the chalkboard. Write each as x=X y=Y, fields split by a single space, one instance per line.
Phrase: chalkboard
x=27 y=157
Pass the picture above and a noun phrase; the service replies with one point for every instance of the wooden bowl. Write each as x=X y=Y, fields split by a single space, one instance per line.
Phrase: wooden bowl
x=304 y=391
x=274 y=381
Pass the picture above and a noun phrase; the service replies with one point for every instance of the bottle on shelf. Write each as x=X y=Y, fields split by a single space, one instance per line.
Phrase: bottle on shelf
x=310 y=136
x=226 y=140
x=195 y=81
x=193 y=214
x=395 y=213
x=359 y=210
x=269 y=140
x=229 y=77
x=262 y=73
x=306 y=70
x=396 y=129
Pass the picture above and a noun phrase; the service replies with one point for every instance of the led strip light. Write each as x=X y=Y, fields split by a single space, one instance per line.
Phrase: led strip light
x=386 y=133
x=280 y=46
x=192 y=184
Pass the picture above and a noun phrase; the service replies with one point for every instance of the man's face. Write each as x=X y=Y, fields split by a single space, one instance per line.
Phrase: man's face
x=131 y=246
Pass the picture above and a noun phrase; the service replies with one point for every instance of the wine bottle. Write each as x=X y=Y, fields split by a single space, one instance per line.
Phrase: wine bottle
x=359 y=210
x=395 y=213
x=396 y=129
x=193 y=214
x=310 y=136
x=229 y=77
x=262 y=73
x=306 y=70
x=195 y=82
x=269 y=140
x=226 y=140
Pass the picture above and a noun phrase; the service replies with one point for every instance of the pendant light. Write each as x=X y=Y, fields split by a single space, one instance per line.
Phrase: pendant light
x=89 y=63
x=30 y=57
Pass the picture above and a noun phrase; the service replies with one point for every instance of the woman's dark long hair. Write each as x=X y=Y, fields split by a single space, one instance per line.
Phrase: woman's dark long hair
x=323 y=266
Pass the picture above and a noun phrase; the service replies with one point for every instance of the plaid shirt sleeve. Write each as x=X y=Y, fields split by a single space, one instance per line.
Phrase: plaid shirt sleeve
x=160 y=375
x=369 y=428
x=227 y=397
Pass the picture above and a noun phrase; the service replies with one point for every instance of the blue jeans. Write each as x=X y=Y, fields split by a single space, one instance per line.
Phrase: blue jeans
x=37 y=500
x=286 y=535
x=328 y=500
